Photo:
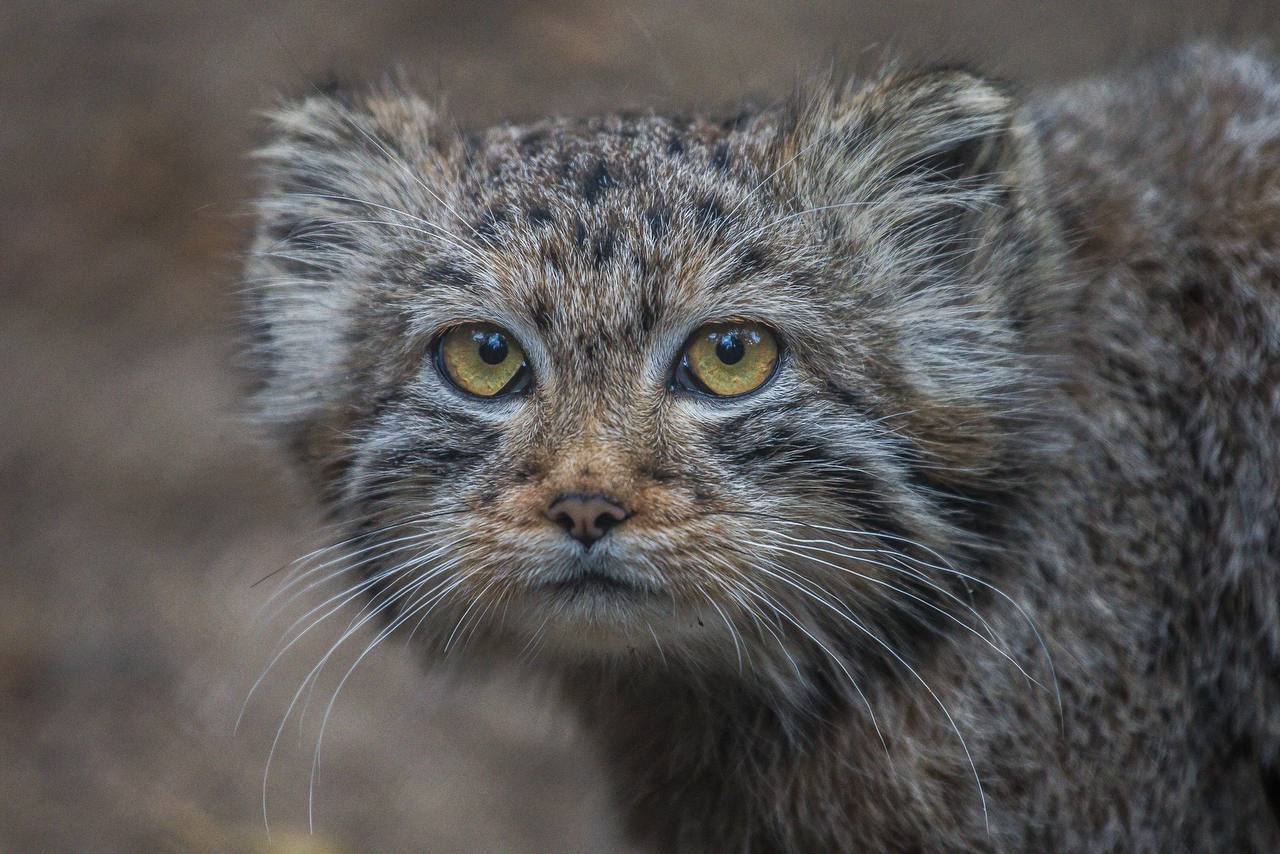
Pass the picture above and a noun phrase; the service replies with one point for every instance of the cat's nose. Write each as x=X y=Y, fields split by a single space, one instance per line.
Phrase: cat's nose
x=586 y=517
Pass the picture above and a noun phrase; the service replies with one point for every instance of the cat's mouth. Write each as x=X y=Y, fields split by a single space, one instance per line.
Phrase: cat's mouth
x=607 y=605
x=602 y=573
x=593 y=582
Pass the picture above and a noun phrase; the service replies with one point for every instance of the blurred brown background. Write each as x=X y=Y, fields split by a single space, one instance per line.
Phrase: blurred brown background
x=136 y=511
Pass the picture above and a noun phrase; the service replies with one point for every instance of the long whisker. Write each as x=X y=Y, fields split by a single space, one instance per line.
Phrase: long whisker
x=266 y=774
x=474 y=600
x=802 y=584
x=345 y=596
x=383 y=599
x=754 y=590
x=733 y=634
x=946 y=567
x=379 y=548
x=919 y=599
x=428 y=601
x=350 y=592
x=657 y=643
x=834 y=658
x=943 y=566
x=297 y=563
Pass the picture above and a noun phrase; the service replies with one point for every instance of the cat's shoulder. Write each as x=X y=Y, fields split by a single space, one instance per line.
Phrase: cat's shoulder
x=1185 y=147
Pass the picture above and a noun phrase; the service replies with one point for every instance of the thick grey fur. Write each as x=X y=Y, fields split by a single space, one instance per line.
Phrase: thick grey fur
x=993 y=563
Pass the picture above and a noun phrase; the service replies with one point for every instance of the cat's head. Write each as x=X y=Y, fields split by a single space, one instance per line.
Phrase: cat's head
x=680 y=391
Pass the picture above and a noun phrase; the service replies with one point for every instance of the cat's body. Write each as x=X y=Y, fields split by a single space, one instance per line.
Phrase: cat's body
x=1003 y=525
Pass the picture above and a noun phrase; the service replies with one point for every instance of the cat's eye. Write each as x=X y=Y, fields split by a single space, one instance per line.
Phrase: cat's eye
x=482 y=359
x=727 y=359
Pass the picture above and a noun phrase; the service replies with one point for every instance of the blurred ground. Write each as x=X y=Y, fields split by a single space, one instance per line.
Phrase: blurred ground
x=135 y=511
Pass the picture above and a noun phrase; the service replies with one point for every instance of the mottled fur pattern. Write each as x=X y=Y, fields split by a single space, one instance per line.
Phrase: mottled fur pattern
x=993 y=562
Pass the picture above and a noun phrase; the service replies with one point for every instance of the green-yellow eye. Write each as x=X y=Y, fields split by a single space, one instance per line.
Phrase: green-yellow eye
x=728 y=359
x=482 y=359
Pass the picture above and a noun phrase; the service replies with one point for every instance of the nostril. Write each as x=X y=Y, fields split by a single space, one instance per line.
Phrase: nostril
x=564 y=520
x=605 y=521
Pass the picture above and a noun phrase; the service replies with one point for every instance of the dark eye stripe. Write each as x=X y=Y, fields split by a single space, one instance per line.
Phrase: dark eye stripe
x=417 y=436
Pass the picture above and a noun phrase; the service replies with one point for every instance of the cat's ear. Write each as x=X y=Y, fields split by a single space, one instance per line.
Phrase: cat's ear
x=350 y=177
x=917 y=152
x=927 y=185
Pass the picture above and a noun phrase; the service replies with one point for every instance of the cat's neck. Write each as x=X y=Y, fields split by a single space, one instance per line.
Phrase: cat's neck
x=704 y=763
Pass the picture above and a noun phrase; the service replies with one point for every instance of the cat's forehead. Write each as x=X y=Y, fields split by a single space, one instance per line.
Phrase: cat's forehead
x=641 y=177
x=566 y=154
x=610 y=229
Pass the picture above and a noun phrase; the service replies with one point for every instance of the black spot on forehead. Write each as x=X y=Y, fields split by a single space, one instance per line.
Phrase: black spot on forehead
x=588 y=162
x=552 y=257
x=602 y=247
x=596 y=181
x=539 y=215
x=605 y=212
x=486 y=228
x=749 y=261
x=649 y=307
x=448 y=273
x=710 y=214
x=640 y=263
x=658 y=219
x=540 y=310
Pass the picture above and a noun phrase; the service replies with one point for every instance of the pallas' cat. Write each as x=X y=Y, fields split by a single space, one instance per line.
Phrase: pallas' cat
x=892 y=468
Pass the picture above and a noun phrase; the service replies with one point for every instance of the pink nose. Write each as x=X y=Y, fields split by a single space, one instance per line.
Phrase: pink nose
x=586 y=518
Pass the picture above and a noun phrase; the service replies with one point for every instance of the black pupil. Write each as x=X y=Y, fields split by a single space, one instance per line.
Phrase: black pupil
x=730 y=349
x=493 y=347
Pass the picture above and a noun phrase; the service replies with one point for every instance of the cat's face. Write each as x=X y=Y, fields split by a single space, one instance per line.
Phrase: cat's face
x=640 y=387
x=614 y=483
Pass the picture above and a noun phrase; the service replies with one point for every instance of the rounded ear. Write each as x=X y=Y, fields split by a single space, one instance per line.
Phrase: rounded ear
x=940 y=125
x=921 y=148
x=351 y=177
x=927 y=186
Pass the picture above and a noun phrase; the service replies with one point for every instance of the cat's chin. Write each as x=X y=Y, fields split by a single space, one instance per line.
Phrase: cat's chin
x=594 y=615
